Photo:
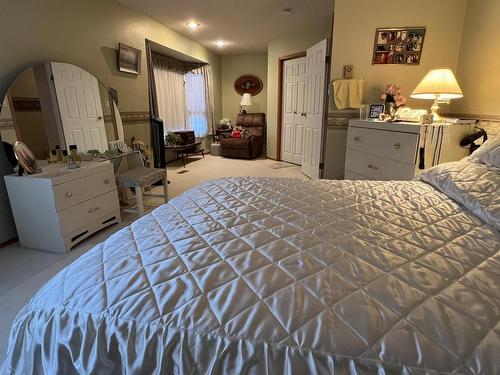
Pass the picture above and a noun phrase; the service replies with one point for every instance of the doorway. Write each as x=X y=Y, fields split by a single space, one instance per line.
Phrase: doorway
x=302 y=103
x=293 y=92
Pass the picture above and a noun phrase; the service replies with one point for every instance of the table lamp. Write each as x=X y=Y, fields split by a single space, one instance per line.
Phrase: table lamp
x=246 y=99
x=439 y=85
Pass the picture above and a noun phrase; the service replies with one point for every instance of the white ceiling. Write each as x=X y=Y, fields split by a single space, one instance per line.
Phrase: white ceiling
x=247 y=25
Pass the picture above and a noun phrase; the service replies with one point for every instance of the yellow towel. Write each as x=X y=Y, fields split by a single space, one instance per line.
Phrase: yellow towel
x=348 y=93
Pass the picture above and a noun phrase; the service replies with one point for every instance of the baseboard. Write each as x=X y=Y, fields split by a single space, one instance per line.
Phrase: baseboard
x=8 y=242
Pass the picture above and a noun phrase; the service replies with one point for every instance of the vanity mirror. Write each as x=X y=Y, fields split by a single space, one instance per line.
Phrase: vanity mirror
x=61 y=104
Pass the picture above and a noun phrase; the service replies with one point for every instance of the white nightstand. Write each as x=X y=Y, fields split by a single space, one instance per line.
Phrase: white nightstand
x=399 y=151
x=60 y=207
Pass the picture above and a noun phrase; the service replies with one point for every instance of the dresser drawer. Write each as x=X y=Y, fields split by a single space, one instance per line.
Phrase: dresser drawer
x=89 y=211
x=377 y=168
x=74 y=192
x=393 y=145
x=349 y=175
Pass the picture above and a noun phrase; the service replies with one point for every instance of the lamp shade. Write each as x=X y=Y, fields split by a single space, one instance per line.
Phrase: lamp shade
x=438 y=84
x=246 y=99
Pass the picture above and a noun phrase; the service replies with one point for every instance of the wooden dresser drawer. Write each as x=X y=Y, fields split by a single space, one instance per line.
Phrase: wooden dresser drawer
x=377 y=168
x=393 y=145
x=78 y=216
x=77 y=191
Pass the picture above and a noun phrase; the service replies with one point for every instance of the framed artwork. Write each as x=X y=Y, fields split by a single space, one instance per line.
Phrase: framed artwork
x=376 y=110
x=399 y=45
x=129 y=59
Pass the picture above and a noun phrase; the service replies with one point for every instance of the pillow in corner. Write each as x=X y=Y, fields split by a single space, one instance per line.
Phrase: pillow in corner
x=473 y=185
x=488 y=153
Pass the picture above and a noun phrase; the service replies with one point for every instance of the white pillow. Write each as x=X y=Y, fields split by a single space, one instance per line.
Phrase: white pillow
x=488 y=153
x=474 y=185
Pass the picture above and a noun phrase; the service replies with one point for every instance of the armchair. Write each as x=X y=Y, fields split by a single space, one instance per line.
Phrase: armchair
x=250 y=147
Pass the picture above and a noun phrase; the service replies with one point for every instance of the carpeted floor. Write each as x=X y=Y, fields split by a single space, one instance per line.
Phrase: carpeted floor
x=198 y=170
x=23 y=271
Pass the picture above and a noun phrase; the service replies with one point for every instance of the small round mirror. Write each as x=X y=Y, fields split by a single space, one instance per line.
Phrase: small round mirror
x=26 y=158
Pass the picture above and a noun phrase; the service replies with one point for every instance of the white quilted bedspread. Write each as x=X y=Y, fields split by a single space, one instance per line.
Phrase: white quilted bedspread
x=268 y=275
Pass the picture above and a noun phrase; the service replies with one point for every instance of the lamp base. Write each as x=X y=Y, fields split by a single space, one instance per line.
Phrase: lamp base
x=435 y=115
x=243 y=111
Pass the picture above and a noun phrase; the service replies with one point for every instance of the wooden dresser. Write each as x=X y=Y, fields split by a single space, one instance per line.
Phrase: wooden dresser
x=58 y=208
x=399 y=151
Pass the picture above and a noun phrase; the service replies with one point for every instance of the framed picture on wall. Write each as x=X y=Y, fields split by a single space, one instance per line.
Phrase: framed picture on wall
x=129 y=59
x=398 y=45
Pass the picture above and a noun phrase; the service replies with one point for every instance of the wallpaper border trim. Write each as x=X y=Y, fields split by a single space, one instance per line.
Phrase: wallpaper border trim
x=135 y=117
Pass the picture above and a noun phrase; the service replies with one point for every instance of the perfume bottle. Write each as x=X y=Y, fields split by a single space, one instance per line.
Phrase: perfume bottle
x=53 y=156
x=73 y=157
x=59 y=153
x=73 y=153
x=64 y=156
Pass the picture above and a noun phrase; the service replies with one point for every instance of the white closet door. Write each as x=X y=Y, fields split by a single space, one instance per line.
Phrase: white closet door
x=315 y=109
x=293 y=105
x=80 y=107
x=300 y=109
x=288 y=110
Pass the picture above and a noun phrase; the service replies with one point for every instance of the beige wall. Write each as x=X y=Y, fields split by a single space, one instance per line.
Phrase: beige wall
x=30 y=124
x=479 y=63
x=87 y=33
x=354 y=34
x=275 y=50
x=234 y=67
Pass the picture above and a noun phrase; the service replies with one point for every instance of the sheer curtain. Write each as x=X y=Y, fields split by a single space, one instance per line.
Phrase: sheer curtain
x=185 y=94
x=195 y=104
x=171 y=101
x=206 y=71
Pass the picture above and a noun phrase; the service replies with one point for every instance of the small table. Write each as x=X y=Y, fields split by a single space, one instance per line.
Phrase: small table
x=222 y=133
x=185 y=150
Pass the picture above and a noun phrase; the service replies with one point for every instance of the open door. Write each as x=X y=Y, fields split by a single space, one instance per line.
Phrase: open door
x=80 y=107
x=316 y=73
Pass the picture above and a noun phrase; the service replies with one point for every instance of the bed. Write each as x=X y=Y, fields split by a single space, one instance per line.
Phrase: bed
x=273 y=276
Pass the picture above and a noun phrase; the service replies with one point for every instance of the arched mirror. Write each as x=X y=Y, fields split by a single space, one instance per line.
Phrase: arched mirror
x=58 y=104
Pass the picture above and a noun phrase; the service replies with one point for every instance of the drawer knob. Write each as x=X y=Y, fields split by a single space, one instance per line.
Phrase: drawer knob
x=374 y=167
x=106 y=181
x=69 y=194
x=397 y=146
x=92 y=210
x=356 y=139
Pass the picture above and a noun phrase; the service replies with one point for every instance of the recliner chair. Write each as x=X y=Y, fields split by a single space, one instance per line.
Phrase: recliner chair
x=250 y=147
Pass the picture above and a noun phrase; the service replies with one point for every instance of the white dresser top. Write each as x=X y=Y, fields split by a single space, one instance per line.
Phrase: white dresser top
x=59 y=173
x=405 y=127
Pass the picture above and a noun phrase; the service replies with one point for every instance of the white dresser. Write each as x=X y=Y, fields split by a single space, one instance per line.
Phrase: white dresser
x=399 y=151
x=58 y=208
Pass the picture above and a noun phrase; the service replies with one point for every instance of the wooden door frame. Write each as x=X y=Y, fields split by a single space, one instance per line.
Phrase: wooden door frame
x=281 y=61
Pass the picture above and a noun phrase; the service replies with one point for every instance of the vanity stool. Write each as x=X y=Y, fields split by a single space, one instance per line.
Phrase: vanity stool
x=139 y=177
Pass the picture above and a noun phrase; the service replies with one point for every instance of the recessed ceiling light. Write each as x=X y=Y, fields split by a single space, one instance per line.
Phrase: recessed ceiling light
x=193 y=25
x=221 y=43
x=286 y=11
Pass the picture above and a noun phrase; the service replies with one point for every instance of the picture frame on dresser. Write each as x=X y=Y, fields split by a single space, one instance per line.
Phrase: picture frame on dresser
x=376 y=110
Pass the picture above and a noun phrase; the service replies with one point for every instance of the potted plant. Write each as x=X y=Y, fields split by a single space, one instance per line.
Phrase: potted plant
x=172 y=138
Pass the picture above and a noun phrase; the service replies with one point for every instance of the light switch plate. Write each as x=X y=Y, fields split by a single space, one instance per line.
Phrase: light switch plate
x=348 y=69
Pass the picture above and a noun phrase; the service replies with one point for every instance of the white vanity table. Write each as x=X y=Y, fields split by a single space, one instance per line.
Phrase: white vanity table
x=399 y=151
x=60 y=207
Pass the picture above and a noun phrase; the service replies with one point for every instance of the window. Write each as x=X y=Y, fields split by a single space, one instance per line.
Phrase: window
x=196 y=108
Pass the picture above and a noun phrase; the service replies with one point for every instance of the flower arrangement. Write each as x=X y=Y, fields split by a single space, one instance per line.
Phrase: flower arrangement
x=393 y=94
